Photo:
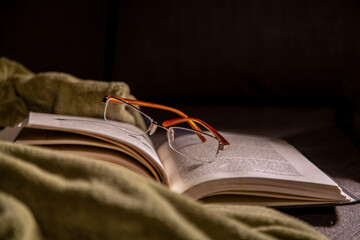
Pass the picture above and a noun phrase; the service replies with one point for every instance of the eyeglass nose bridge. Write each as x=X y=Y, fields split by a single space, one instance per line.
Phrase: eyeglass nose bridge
x=152 y=128
x=171 y=135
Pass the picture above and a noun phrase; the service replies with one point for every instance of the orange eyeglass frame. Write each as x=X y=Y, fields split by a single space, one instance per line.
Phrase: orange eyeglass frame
x=224 y=144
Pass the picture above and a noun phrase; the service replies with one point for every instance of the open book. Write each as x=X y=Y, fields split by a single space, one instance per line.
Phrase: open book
x=254 y=170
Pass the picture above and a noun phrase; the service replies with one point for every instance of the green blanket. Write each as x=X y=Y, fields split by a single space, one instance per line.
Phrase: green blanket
x=44 y=194
x=47 y=195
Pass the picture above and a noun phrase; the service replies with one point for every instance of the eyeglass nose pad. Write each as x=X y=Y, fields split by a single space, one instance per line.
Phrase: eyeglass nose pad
x=153 y=128
x=171 y=135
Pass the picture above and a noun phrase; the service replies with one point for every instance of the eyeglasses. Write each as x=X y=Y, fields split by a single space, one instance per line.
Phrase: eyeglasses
x=192 y=143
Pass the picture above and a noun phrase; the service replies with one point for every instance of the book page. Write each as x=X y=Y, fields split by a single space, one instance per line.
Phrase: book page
x=248 y=157
x=123 y=134
x=104 y=154
x=86 y=145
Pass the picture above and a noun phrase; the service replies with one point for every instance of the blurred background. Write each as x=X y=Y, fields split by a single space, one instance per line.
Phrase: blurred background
x=227 y=61
x=227 y=52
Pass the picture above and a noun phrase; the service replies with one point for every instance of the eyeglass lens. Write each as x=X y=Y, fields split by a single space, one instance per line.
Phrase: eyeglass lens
x=187 y=143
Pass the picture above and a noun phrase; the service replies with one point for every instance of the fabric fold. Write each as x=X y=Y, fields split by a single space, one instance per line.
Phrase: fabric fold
x=73 y=197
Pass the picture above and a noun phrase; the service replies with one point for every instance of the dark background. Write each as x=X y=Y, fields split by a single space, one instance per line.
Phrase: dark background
x=230 y=51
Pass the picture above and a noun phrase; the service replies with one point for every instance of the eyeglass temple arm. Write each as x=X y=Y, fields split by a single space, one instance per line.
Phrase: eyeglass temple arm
x=224 y=144
x=159 y=106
